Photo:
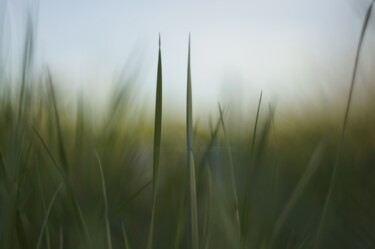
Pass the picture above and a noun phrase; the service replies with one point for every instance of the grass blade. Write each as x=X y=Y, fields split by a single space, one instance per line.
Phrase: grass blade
x=157 y=140
x=343 y=131
x=192 y=201
x=45 y=220
x=62 y=152
x=158 y=118
x=48 y=240
x=248 y=176
x=211 y=143
x=131 y=198
x=180 y=220
x=126 y=240
x=231 y=171
x=69 y=187
x=20 y=231
x=304 y=180
x=26 y=63
x=107 y=226
x=208 y=216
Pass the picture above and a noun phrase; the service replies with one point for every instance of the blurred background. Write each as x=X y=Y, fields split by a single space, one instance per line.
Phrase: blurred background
x=293 y=50
x=286 y=161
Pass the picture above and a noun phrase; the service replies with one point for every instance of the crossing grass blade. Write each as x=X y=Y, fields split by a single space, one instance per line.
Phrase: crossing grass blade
x=192 y=196
x=131 y=198
x=107 y=226
x=68 y=184
x=231 y=171
x=157 y=142
x=247 y=189
x=298 y=191
x=125 y=236
x=211 y=143
x=62 y=151
x=20 y=231
x=343 y=130
x=47 y=235
x=46 y=215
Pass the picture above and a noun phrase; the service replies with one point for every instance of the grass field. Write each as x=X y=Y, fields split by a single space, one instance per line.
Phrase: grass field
x=125 y=180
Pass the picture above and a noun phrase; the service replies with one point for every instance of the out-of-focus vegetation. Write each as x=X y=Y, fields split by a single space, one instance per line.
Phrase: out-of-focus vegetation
x=70 y=180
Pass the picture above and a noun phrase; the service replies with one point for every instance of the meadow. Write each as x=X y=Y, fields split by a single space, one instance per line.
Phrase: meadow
x=69 y=179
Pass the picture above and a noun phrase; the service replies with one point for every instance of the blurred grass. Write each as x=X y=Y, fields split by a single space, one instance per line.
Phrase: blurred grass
x=120 y=182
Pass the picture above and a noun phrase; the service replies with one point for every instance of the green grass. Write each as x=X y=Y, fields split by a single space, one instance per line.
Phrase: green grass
x=191 y=181
x=344 y=128
x=67 y=181
x=157 y=143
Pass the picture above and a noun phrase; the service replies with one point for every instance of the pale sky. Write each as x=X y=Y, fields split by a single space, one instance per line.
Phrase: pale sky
x=288 y=49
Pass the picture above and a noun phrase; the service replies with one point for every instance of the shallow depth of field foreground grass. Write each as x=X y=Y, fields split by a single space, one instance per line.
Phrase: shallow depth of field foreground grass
x=69 y=179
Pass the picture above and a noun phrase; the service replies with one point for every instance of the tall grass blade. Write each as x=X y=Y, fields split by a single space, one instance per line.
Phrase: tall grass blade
x=107 y=226
x=343 y=131
x=192 y=201
x=158 y=118
x=231 y=171
x=245 y=214
x=157 y=141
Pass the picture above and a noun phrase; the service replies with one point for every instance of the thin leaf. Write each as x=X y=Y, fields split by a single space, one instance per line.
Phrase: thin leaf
x=21 y=233
x=131 y=198
x=26 y=63
x=245 y=214
x=48 y=240
x=343 y=131
x=158 y=118
x=157 y=142
x=46 y=215
x=69 y=187
x=193 y=213
x=208 y=216
x=62 y=152
x=211 y=143
x=126 y=240
x=298 y=191
x=231 y=171
x=107 y=226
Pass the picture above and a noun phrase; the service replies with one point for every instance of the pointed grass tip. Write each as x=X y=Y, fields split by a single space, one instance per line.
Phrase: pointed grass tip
x=159 y=40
